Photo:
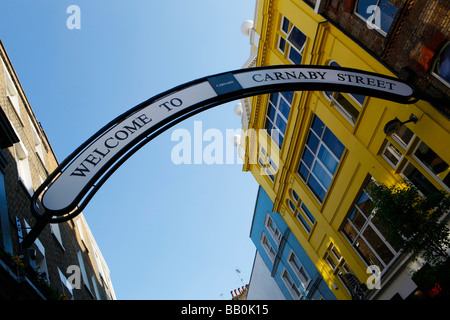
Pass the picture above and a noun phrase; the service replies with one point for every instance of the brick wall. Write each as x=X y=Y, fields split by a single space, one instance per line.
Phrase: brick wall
x=418 y=32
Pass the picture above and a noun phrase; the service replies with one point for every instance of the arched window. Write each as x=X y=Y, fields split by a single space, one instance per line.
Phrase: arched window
x=441 y=67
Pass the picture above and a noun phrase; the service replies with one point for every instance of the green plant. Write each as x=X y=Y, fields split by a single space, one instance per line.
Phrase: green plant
x=414 y=224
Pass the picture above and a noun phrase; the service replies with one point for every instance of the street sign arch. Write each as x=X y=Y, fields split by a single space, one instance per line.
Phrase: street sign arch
x=67 y=190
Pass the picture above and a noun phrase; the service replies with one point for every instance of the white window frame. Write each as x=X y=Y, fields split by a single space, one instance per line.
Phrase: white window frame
x=12 y=94
x=56 y=232
x=23 y=166
x=37 y=143
x=371 y=24
x=273 y=229
x=66 y=284
x=268 y=247
x=347 y=96
x=317 y=159
x=278 y=113
x=83 y=271
x=437 y=76
x=389 y=147
x=299 y=269
x=288 y=44
x=290 y=284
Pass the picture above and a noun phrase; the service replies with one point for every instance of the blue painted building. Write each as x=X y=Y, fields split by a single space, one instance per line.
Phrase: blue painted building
x=288 y=264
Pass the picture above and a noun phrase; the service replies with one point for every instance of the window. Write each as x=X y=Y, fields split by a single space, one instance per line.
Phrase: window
x=23 y=166
x=392 y=155
x=55 y=231
x=365 y=235
x=349 y=105
x=268 y=247
x=291 y=41
x=5 y=230
x=278 y=109
x=11 y=93
x=441 y=68
x=379 y=14
x=37 y=143
x=268 y=166
x=320 y=158
x=416 y=161
x=301 y=212
x=433 y=163
x=66 y=287
x=299 y=270
x=94 y=281
x=273 y=230
x=417 y=178
x=337 y=263
x=404 y=136
x=290 y=284
x=83 y=270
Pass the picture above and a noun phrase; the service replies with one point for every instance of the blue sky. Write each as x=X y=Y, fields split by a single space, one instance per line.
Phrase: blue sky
x=166 y=231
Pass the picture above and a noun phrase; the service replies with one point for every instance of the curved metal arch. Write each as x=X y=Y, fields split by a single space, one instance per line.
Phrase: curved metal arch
x=69 y=188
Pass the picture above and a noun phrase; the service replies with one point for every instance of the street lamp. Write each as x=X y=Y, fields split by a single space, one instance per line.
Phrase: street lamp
x=393 y=125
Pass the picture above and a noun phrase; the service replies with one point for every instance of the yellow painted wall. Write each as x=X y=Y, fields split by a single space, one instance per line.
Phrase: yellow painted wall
x=363 y=141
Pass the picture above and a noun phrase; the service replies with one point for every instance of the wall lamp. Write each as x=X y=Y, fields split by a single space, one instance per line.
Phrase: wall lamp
x=393 y=125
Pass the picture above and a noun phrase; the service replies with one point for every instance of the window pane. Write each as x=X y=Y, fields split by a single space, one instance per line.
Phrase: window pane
x=333 y=143
x=274 y=98
x=378 y=245
x=388 y=12
x=418 y=179
x=304 y=223
x=321 y=175
x=308 y=158
x=268 y=125
x=271 y=112
x=295 y=57
x=295 y=195
x=404 y=135
x=297 y=38
x=285 y=25
x=318 y=126
x=327 y=159
x=357 y=219
x=308 y=213
x=284 y=108
x=281 y=124
x=365 y=204
x=392 y=154
x=316 y=188
x=443 y=64
x=432 y=161
x=282 y=44
x=350 y=232
x=369 y=257
x=313 y=142
x=359 y=97
x=363 y=6
x=347 y=107
x=304 y=172
x=289 y=95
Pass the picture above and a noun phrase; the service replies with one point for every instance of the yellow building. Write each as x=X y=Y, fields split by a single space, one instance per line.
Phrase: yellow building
x=330 y=146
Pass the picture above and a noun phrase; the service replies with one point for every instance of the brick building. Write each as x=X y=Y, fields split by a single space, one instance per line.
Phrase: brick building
x=64 y=261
